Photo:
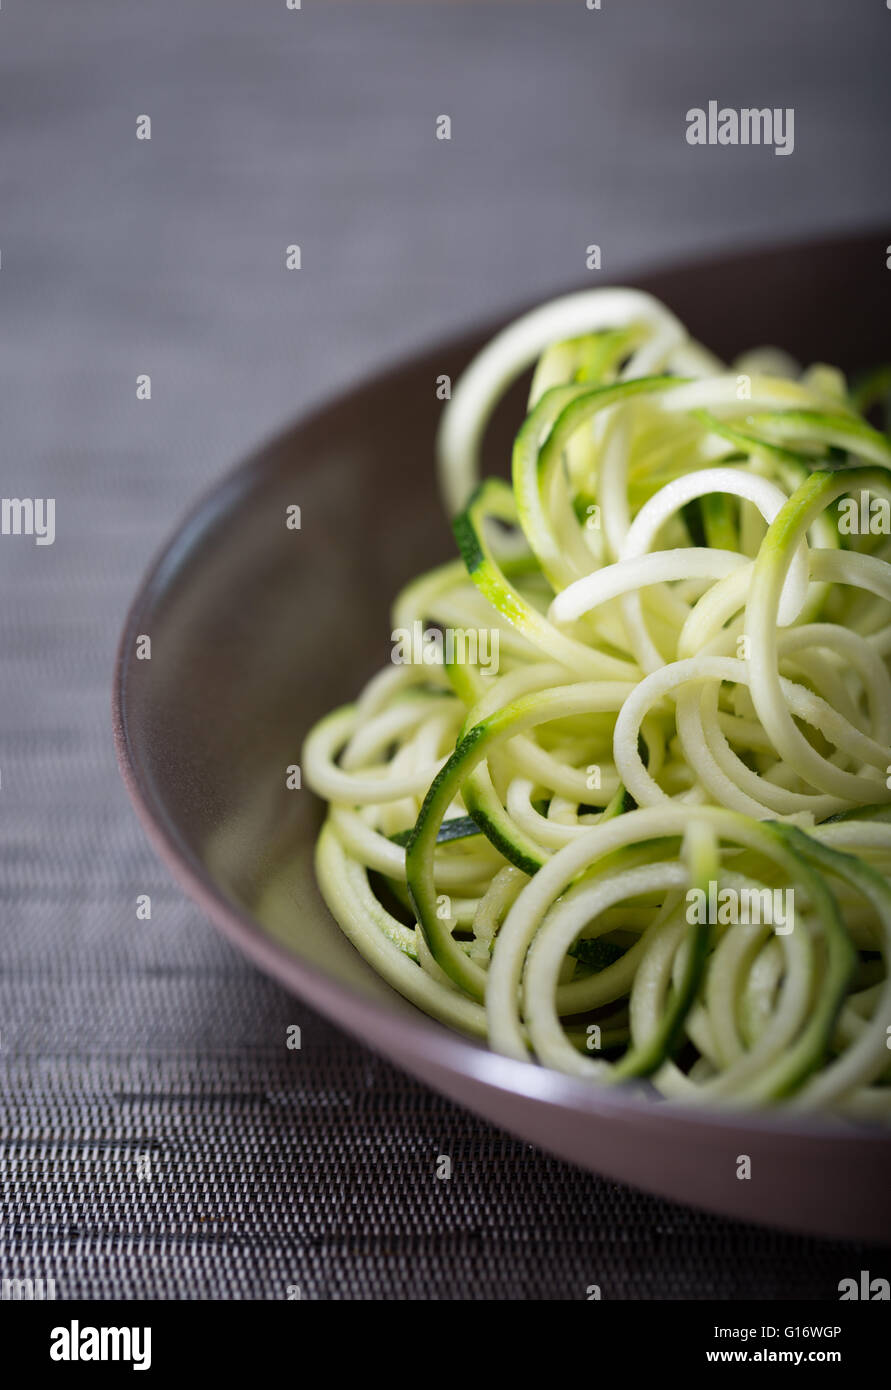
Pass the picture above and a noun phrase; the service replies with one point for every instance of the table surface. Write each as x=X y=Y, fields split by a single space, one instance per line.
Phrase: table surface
x=158 y=1141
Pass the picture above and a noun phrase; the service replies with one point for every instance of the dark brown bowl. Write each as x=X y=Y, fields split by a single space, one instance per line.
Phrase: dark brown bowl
x=256 y=630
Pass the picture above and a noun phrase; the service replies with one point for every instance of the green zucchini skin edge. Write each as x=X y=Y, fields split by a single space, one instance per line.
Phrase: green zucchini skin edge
x=810 y=1050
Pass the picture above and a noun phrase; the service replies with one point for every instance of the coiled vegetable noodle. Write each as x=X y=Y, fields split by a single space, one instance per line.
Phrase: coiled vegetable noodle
x=640 y=826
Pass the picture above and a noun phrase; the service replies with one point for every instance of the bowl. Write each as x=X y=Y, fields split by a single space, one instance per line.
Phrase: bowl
x=256 y=629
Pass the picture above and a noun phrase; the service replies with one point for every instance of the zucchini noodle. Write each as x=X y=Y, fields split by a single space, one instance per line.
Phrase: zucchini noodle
x=625 y=809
